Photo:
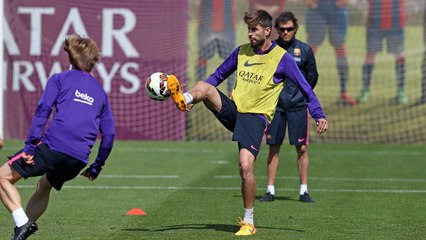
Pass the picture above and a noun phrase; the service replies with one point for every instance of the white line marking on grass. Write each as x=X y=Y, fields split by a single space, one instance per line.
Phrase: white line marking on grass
x=220 y=162
x=168 y=150
x=378 y=153
x=369 y=179
x=218 y=150
x=336 y=179
x=233 y=189
x=139 y=176
x=140 y=187
x=375 y=190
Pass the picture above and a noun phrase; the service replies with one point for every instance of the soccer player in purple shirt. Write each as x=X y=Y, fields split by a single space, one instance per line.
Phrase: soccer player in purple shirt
x=261 y=67
x=59 y=153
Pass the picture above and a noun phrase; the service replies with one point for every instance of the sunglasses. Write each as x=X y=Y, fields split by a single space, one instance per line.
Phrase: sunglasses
x=288 y=29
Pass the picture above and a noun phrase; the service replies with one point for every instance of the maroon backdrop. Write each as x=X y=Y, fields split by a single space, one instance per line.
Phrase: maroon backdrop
x=136 y=38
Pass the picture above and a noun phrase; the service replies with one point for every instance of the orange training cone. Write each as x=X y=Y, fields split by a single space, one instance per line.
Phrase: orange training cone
x=136 y=211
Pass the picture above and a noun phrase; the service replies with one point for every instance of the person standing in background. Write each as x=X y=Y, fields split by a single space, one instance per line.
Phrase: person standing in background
x=216 y=32
x=331 y=16
x=385 y=22
x=291 y=110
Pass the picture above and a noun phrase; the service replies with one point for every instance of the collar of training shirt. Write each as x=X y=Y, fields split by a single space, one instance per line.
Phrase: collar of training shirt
x=260 y=52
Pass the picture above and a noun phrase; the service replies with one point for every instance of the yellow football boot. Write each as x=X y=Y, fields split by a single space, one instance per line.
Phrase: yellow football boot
x=176 y=93
x=246 y=229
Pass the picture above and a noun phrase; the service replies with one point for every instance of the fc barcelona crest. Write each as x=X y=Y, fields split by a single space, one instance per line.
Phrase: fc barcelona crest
x=297 y=52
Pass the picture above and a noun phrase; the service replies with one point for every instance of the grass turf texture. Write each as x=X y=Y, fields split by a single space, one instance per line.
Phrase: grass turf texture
x=192 y=191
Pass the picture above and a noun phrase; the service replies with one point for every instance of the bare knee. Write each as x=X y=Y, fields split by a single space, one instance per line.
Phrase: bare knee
x=207 y=93
x=302 y=150
x=246 y=171
x=200 y=91
x=3 y=182
x=8 y=175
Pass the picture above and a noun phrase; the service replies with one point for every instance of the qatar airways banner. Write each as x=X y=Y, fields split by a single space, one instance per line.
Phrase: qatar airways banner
x=136 y=38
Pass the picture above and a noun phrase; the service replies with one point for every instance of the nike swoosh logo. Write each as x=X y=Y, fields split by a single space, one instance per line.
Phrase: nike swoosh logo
x=300 y=139
x=247 y=64
x=252 y=147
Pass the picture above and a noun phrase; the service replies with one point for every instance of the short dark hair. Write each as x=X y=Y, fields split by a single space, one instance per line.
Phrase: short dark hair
x=259 y=16
x=286 y=17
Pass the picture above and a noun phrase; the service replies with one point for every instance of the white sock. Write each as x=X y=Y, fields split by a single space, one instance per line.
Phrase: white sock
x=303 y=188
x=271 y=189
x=249 y=215
x=188 y=97
x=19 y=217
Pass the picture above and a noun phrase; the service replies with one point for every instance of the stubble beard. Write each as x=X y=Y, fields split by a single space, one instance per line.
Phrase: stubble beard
x=257 y=43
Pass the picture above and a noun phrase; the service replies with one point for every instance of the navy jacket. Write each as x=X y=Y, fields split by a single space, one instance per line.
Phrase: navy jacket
x=291 y=99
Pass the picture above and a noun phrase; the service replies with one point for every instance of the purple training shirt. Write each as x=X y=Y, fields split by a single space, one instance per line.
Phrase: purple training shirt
x=82 y=110
x=287 y=68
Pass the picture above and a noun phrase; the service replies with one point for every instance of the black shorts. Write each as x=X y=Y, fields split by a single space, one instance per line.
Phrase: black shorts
x=228 y=112
x=248 y=129
x=57 y=166
x=297 y=123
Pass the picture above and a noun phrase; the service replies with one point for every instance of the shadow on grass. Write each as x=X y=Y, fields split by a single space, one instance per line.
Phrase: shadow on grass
x=277 y=198
x=217 y=227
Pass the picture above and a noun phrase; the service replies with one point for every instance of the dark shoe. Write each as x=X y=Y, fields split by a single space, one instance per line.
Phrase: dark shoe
x=306 y=198
x=267 y=198
x=22 y=232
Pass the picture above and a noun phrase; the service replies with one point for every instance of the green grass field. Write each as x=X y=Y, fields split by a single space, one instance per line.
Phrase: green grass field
x=192 y=191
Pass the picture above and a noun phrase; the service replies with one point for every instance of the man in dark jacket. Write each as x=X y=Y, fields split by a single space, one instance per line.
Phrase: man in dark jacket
x=291 y=109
